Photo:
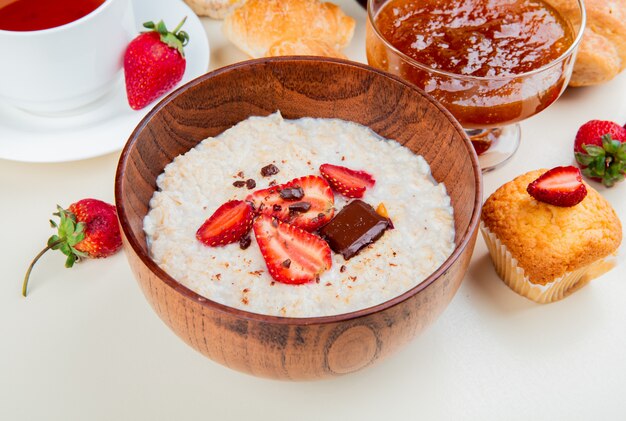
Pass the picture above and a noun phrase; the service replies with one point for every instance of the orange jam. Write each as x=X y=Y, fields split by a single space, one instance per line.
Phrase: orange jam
x=476 y=38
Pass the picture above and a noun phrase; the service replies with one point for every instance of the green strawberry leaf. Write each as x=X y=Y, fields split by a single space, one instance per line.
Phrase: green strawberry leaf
x=584 y=159
x=69 y=262
x=609 y=145
x=594 y=150
x=68 y=226
x=65 y=249
x=598 y=167
x=170 y=39
x=161 y=28
x=80 y=228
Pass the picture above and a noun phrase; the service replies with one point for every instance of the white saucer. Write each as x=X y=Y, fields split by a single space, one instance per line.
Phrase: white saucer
x=104 y=126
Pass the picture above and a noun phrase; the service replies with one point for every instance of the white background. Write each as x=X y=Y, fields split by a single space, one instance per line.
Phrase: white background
x=85 y=345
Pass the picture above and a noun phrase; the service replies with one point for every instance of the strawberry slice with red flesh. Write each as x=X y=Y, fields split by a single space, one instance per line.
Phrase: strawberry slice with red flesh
x=306 y=202
x=228 y=224
x=348 y=182
x=292 y=255
x=560 y=186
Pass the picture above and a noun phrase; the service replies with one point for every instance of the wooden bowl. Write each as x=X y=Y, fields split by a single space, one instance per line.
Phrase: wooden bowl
x=297 y=348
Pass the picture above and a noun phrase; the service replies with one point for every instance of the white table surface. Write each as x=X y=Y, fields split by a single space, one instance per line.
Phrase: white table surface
x=85 y=345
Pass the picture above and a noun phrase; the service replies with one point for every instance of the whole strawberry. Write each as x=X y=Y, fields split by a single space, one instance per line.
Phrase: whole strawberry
x=87 y=229
x=154 y=62
x=600 y=150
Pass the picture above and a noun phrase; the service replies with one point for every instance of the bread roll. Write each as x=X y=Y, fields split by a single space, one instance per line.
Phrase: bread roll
x=215 y=9
x=259 y=24
x=602 y=52
x=303 y=47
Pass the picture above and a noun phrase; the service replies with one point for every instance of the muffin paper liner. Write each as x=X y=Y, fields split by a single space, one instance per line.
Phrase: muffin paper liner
x=513 y=275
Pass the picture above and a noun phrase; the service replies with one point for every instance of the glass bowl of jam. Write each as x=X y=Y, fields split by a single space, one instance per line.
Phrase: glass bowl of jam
x=491 y=63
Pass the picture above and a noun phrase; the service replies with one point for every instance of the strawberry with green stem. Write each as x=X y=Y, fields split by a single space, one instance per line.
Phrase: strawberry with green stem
x=154 y=62
x=600 y=151
x=87 y=229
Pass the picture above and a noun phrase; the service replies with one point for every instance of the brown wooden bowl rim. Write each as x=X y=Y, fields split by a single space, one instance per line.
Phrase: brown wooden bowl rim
x=243 y=314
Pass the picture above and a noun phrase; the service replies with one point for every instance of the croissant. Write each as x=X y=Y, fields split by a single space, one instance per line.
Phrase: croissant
x=602 y=52
x=215 y=9
x=259 y=24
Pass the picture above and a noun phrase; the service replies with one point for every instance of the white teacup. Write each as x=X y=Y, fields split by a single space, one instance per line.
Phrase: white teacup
x=63 y=68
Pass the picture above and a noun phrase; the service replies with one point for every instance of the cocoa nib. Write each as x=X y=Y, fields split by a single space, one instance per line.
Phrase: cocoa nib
x=276 y=208
x=244 y=242
x=250 y=184
x=239 y=183
x=292 y=193
x=268 y=170
x=300 y=207
x=287 y=263
x=342 y=269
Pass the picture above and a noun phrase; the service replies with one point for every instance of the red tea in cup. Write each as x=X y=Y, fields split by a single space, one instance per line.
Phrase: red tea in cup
x=35 y=15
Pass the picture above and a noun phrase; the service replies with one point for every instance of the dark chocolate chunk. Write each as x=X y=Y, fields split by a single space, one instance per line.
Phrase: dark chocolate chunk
x=244 y=242
x=353 y=227
x=292 y=193
x=239 y=183
x=250 y=184
x=299 y=207
x=286 y=263
x=268 y=170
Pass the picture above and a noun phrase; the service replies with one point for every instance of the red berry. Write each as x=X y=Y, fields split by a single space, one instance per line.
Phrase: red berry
x=292 y=255
x=88 y=228
x=600 y=150
x=228 y=224
x=154 y=62
x=102 y=234
x=306 y=202
x=560 y=186
x=345 y=181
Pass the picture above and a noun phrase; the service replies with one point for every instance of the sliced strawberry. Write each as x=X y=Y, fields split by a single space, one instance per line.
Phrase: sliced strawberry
x=560 y=186
x=227 y=224
x=306 y=202
x=292 y=255
x=349 y=183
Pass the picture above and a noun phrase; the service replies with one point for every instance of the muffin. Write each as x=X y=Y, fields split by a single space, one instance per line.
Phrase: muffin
x=546 y=252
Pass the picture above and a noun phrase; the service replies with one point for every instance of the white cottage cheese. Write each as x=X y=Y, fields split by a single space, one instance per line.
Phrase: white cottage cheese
x=195 y=184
